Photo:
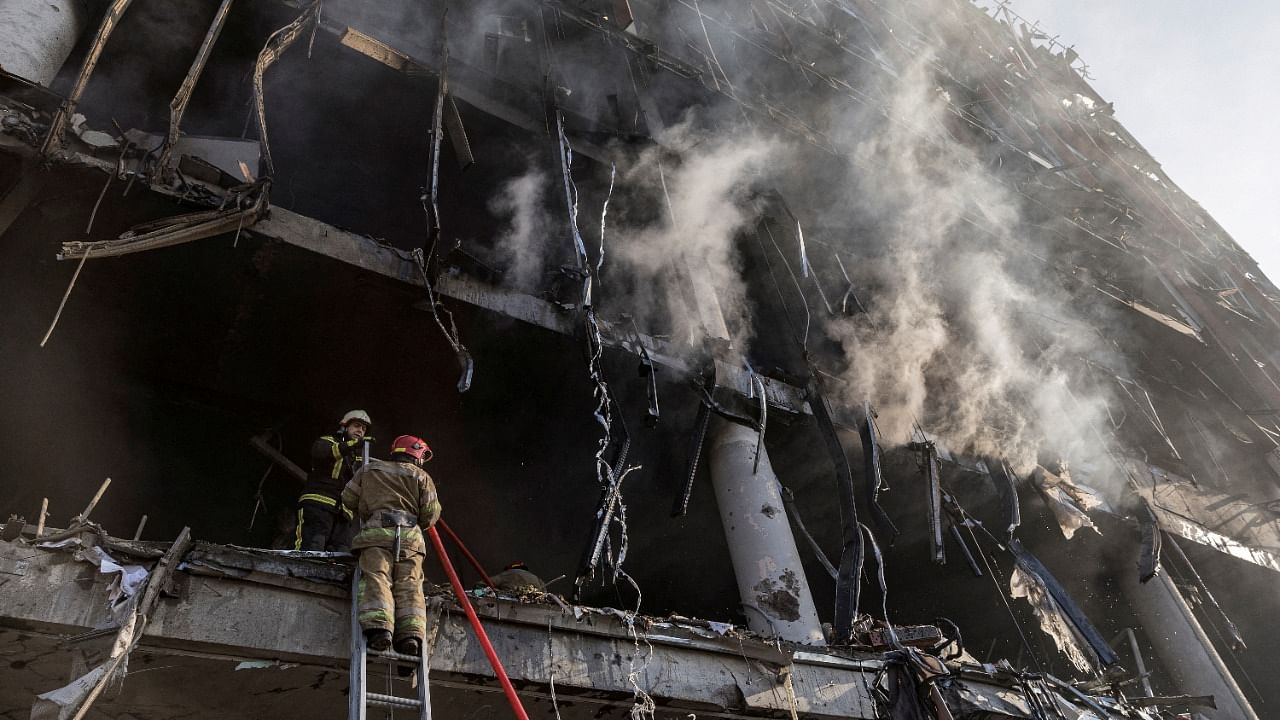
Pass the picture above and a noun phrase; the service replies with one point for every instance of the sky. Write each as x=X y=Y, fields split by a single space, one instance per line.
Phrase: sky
x=1198 y=84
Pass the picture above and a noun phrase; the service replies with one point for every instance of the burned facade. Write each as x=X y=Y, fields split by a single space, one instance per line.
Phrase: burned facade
x=860 y=331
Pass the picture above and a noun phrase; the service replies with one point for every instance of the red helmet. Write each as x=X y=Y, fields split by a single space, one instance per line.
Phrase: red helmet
x=413 y=446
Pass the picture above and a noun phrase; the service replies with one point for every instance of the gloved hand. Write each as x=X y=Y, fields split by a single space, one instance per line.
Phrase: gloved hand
x=354 y=449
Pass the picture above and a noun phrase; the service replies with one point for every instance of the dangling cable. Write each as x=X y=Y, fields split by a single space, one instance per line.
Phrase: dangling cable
x=609 y=475
x=276 y=45
x=757 y=385
x=431 y=206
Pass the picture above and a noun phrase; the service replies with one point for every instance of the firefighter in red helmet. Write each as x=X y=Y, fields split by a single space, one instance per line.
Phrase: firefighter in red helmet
x=393 y=502
x=322 y=523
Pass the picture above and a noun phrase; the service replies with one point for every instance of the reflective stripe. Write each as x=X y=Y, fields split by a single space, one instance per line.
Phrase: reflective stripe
x=315 y=497
x=374 y=616
x=407 y=534
x=297 y=540
x=336 y=472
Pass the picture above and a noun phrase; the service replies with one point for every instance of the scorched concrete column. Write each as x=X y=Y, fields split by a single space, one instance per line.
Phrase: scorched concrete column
x=766 y=562
x=36 y=36
x=1184 y=648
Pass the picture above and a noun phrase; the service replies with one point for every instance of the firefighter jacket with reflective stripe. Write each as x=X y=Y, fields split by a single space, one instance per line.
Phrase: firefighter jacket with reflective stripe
x=390 y=496
x=334 y=460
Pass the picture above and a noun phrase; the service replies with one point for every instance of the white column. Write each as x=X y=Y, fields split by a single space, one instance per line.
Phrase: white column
x=1184 y=648
x=36 y=36
x=771 y=580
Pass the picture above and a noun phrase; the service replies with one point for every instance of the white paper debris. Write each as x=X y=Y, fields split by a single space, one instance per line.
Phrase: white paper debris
x=263 y=664
x=720 y=628
x=131 y=577
x=62 y=703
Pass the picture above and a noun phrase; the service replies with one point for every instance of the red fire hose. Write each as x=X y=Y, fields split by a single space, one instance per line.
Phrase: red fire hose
x=465 y=602
x=466 y=553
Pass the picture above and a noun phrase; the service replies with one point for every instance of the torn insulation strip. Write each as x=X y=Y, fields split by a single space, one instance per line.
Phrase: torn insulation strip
x=276 y=45
x=1060 y=617
x=1069 y=501
x=1152 y=540
x=757 y=390
x=933 y=497
x=956 y=535
x=178 y=107
x=874 y=475
x=789 y=500
x=849 y=577
x=431 y=205
x=1006 y=488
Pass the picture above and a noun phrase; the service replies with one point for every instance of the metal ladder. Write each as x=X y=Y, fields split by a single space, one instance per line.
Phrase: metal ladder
x=360 y=697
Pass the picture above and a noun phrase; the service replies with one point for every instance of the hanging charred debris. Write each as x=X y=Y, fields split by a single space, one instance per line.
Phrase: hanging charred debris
x=853 y=349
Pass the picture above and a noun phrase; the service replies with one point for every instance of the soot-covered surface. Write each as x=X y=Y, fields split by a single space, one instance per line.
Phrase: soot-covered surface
x=164 y=364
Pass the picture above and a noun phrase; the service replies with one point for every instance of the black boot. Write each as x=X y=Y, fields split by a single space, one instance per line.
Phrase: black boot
x=411 y=646
x=378 y=640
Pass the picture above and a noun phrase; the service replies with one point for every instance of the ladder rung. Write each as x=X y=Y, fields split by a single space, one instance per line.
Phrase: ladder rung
x=392 y=655
x=391 y=700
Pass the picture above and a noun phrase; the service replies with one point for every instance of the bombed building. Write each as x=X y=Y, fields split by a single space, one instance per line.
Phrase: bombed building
x=824 y=358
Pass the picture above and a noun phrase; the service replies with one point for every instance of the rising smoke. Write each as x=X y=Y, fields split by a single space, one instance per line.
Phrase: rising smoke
x=676 y=212
x=523 y=239
x=704 y=182
x=966 y=326
x=967 y=331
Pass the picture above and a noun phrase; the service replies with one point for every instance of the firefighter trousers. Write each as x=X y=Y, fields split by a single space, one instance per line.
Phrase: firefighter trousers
x=391 y=593
x=321 y=528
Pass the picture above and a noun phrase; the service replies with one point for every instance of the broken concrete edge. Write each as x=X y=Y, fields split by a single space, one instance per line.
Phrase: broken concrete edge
x=181 y=627
x=654 y=639
x=329 y=574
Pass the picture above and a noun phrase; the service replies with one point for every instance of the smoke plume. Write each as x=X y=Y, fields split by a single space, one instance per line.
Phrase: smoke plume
x=965 y=327
x=523 y=239
x=702 y=181
x=968 y=330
